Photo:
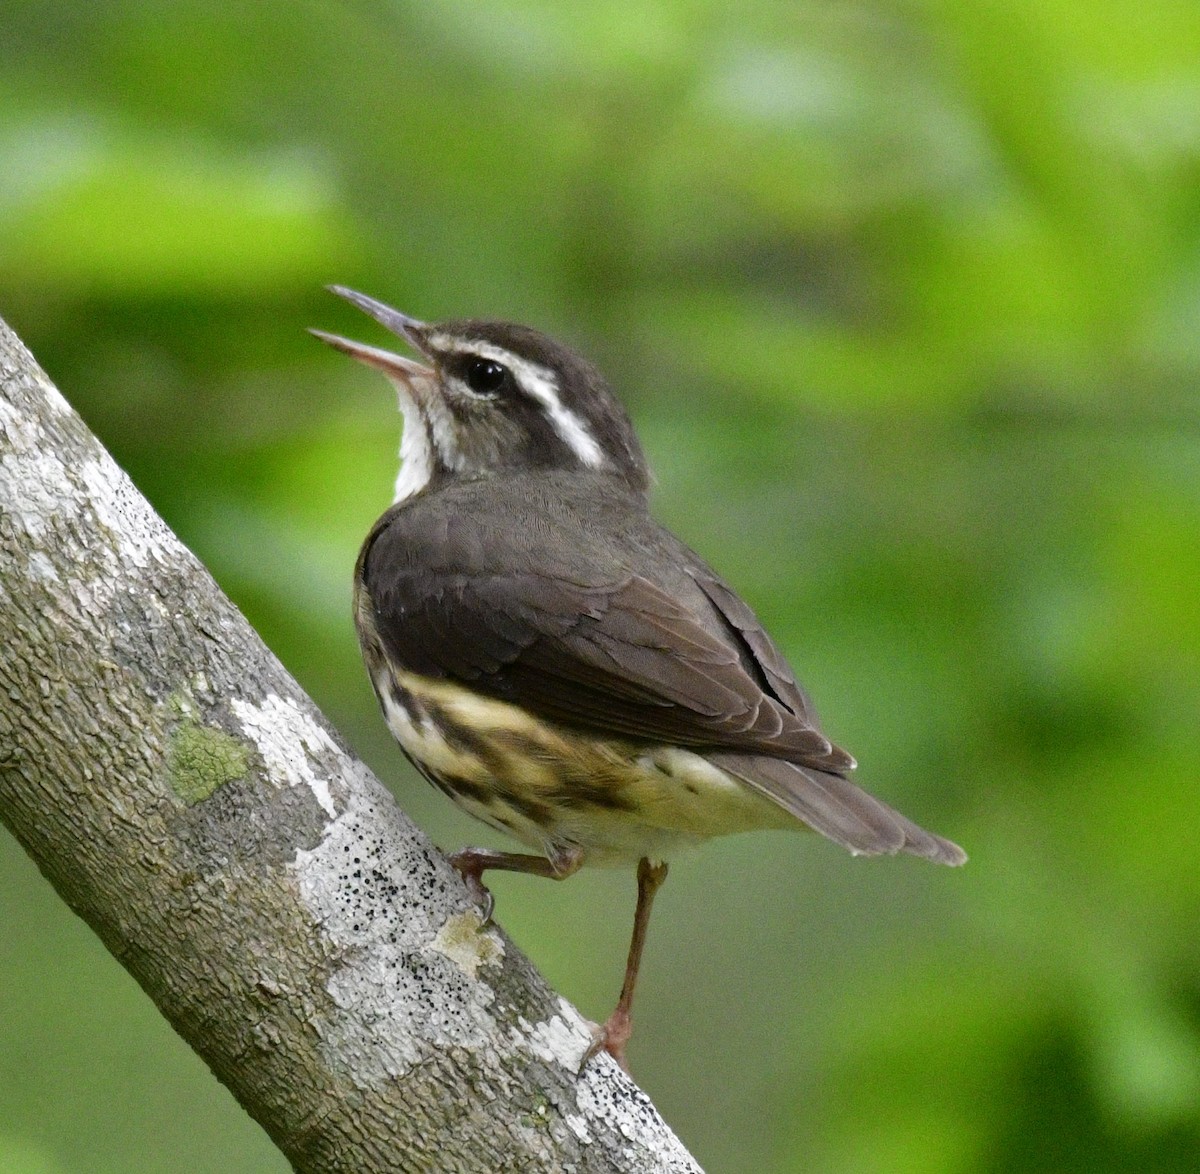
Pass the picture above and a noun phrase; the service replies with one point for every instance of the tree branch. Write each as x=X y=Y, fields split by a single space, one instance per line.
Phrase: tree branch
x=188 y=801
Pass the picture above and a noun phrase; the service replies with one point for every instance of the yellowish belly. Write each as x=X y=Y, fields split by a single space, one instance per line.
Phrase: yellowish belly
x=553 y=789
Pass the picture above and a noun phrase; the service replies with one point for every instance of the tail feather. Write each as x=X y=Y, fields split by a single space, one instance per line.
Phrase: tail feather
x=838 y=809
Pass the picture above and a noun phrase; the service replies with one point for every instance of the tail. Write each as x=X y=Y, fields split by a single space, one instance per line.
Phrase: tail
x=838 y=809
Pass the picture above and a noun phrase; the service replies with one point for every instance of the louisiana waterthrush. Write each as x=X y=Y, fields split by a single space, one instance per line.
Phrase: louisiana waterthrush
x=554 y=660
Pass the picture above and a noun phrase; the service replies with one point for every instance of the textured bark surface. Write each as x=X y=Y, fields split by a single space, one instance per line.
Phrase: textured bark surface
x=188 y=801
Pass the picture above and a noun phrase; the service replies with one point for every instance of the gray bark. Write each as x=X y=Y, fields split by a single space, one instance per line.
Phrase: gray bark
x=191 y=804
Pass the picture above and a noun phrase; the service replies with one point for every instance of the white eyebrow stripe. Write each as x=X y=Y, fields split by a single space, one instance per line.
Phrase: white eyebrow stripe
x=541 y=384
x=574 y=432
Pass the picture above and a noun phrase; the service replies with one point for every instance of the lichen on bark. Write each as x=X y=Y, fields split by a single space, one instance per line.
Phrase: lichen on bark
x=202 y=759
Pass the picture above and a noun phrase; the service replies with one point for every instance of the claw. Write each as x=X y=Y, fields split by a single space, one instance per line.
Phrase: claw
x=483 y=895
x=468 y=868
x=611 y=1037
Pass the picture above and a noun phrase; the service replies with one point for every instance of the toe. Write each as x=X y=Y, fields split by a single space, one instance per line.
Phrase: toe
x=611 y=1037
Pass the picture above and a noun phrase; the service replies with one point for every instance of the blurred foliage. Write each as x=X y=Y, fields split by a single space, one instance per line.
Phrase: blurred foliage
x=905 y=298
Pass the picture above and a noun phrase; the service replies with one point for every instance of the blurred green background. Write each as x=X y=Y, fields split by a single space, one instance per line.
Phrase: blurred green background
x=905 y=300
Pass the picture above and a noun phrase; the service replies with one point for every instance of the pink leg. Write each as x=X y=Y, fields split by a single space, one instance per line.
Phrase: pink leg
x=471 y=864
x=614 y=1034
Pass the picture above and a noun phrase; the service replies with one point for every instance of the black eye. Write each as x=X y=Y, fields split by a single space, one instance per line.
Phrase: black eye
x=485 y=377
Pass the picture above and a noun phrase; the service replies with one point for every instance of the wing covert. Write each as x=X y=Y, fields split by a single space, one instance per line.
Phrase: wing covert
x=597 y=648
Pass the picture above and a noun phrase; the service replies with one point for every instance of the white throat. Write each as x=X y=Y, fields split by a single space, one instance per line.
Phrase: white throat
x=416 y=461
x=426 y=425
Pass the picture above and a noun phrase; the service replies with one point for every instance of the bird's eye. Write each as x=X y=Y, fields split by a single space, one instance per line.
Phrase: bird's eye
x=485 y=377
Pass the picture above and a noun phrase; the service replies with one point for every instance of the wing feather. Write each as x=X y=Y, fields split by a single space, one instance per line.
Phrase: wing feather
x=614 y=653
x=839 y=809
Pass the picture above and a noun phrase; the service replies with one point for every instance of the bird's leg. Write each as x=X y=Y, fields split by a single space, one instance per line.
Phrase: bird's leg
x=614 y=1034
x=471 y=864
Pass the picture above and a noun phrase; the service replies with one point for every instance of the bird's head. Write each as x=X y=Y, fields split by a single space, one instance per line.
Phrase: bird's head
x=495 y=398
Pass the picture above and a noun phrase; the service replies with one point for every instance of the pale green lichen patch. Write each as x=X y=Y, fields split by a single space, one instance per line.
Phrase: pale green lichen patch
x=467 y=944
x=202 y=759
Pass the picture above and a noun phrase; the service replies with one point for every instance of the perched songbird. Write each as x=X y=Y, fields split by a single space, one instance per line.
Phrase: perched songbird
x=553 y=659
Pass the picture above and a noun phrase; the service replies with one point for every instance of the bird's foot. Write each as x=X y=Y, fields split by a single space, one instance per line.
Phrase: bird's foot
x=611 y=1036
x=468 y=865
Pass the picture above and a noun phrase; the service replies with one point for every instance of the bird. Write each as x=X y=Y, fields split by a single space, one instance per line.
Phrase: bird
x=554 y=660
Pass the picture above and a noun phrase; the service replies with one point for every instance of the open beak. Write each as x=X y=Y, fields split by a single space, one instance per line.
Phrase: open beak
x=396 y=366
